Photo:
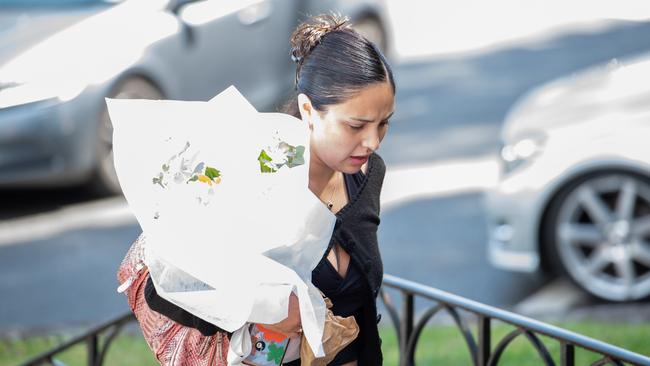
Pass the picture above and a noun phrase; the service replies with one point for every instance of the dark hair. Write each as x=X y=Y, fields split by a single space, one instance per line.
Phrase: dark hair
x=334 y=62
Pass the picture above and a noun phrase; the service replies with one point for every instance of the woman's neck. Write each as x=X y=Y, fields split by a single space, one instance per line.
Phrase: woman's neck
x=320 y=174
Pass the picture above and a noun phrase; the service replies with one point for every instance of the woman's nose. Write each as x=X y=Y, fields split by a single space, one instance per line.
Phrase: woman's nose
x=371 y=140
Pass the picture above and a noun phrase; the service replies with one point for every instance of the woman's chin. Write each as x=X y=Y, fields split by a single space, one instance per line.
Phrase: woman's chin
x=350 y=169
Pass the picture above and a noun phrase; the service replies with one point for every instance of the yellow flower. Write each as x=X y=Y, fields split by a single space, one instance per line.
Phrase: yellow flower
x=205 y=179
x=217 y=180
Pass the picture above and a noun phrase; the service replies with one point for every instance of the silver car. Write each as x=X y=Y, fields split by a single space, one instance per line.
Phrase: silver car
x=59 y=59
x=574 y=189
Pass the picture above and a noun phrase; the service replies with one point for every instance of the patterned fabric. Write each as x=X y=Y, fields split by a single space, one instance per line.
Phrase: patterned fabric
x=171 y=343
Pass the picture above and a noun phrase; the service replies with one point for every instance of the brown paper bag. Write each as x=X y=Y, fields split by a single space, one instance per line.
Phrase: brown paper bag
x=337 y=333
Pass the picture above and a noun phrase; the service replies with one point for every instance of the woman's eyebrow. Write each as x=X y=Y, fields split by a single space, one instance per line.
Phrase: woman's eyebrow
x=369 y=120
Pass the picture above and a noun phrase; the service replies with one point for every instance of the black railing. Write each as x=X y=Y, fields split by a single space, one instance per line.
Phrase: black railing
x=97 y=341
x=481 y=351
x=408 y=331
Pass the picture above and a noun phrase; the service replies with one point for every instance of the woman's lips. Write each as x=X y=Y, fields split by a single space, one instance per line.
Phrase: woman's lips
x=359 y=159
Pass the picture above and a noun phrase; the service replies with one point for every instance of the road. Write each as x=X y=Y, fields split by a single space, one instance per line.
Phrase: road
x=59 y=249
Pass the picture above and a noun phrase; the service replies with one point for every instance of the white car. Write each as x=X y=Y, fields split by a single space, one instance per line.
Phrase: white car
x=574 y=189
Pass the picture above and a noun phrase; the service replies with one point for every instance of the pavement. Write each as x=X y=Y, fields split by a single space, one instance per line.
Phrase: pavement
x=562 y=301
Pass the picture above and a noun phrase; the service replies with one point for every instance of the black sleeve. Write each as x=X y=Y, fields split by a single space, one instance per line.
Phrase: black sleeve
x=177 y=314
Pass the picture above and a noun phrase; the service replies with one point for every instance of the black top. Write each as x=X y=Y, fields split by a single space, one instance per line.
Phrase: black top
x=347 y=293
x=356 y=231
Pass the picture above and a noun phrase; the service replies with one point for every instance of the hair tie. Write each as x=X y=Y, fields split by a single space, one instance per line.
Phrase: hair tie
x=295 y=58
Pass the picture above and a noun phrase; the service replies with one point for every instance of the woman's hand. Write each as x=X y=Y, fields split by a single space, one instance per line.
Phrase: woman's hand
x=291 y=325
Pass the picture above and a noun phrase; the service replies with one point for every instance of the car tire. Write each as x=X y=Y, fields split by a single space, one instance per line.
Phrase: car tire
x=104 y=180
x=597 y=233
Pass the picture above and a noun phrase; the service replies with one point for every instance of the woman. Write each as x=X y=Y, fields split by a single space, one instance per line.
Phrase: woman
x=345 y=93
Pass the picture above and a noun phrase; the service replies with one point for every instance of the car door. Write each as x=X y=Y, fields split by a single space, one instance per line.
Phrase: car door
x=243 y=43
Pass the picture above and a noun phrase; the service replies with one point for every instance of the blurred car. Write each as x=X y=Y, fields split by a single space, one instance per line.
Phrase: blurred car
x=574 y=189
x=59 y=59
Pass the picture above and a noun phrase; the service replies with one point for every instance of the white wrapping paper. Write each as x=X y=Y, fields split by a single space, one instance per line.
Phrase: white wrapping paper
x=226 y=241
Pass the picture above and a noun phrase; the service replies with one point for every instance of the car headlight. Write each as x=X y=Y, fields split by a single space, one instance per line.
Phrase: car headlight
x=15 y=94
x=519 y=153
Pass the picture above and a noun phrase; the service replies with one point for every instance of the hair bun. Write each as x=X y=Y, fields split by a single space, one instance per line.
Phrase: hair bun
x=309 y=33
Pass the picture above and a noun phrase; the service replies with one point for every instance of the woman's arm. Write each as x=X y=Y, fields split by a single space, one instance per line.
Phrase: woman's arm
x=178 y=314
x=291 y=325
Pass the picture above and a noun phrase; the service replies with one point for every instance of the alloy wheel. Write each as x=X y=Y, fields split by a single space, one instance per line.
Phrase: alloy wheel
x=602 y=236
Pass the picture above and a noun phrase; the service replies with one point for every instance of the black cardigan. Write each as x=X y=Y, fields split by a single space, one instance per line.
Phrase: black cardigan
x=356 y=231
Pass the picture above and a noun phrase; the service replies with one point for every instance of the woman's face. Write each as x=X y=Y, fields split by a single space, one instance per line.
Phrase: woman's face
x=345 y=135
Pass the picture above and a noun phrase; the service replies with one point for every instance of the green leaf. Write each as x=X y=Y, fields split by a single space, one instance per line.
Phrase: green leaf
x=275 y=353
x=297 y=158
x=159 y=180
x=212 y=172
x=193 y=179
x=267 y=169
x=300 y=151
x=264 y=158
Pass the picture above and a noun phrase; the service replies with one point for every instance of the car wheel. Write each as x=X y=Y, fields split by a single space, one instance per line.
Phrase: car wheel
x=598 y=231
x=105 y=180
x=373 y=30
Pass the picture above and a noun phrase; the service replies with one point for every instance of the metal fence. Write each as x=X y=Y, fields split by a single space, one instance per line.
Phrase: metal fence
x=481 y=349
x=97 y=341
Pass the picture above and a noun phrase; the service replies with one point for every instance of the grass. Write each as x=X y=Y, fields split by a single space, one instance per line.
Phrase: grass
x=439 y=345
x=125 y=350
x=444 y=345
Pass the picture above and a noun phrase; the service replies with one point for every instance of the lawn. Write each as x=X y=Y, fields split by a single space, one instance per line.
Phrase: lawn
x=444 y=345
x=439 y=345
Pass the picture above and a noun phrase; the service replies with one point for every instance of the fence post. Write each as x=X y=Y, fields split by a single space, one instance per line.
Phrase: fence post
x=92 y=345
x=407 y=359
x=567 y=354
x=484 y=340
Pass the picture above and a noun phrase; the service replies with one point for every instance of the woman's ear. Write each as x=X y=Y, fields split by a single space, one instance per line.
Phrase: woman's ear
x=306 y=109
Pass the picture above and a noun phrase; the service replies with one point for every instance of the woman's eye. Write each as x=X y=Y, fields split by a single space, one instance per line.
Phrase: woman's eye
x=356 y=127
x=385 y=123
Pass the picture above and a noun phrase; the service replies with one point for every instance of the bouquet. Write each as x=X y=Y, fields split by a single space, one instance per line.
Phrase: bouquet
x=219 y=188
